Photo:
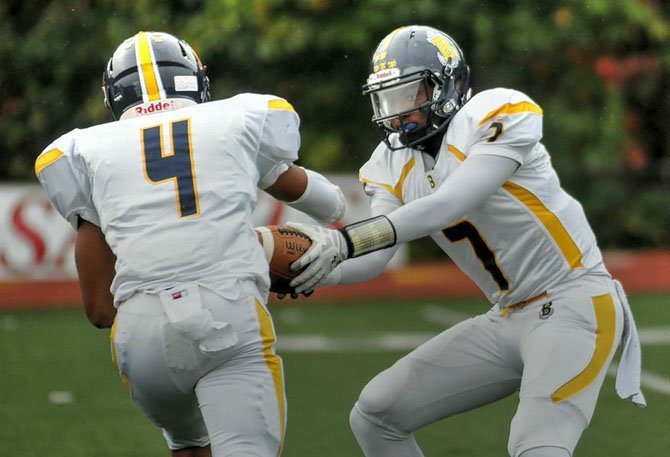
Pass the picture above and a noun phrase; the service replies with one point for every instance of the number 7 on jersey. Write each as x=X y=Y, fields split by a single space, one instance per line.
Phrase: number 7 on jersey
x=176 y=164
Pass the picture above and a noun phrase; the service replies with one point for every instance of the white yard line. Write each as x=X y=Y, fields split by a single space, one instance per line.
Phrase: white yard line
x=649 y=380
x=407 y=341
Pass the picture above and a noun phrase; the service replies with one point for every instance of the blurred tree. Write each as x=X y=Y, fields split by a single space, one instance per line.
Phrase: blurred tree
x=599 y=68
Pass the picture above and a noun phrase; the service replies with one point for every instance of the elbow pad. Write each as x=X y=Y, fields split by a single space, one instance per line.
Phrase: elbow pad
x=322 y=200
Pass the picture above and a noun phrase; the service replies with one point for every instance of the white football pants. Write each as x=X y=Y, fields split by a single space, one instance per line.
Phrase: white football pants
x=232 y=399
x=554 y=351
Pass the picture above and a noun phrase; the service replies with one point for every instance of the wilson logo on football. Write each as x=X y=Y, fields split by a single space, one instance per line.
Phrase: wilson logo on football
x=294 y=246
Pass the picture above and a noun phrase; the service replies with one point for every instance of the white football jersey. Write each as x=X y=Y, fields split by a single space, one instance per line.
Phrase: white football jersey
x=174 y=192
x=530 y=234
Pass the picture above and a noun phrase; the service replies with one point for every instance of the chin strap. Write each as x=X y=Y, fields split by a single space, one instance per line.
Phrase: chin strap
x=368 y=236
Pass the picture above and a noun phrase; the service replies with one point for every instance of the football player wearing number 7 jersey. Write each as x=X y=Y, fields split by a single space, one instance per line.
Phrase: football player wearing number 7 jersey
x=162 y=201
x=472 y=173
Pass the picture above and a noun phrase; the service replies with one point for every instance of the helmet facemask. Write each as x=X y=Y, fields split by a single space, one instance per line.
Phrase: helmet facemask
x=397 y=98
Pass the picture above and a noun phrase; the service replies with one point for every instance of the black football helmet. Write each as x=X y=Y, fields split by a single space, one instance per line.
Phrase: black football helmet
x=153 y=66
x=416 y=68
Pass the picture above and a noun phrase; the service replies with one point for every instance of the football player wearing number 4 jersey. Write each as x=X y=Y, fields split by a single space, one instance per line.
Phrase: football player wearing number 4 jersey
x=473 y=174
x=162 y=202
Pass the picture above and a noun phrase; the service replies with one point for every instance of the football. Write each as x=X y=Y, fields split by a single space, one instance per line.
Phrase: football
x=282 y=246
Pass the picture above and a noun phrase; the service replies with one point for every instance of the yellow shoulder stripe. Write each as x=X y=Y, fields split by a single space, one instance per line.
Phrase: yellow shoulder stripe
x=455 y=151
x=280 y=105
x=512 y=108
x=397 y=189
x=553 y=225
x=46 y=159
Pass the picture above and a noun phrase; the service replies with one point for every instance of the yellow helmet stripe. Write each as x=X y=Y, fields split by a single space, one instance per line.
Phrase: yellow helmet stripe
x=146 y=63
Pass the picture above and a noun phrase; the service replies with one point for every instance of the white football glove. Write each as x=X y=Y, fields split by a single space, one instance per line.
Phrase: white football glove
x=328 y=250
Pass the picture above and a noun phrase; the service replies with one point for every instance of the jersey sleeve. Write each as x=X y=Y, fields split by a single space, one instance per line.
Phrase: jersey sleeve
x=506 y=123
x=279 y=141
x=62 y=173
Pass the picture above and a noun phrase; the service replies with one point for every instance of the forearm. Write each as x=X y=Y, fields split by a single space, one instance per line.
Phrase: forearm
x=322 y=200
x=467 y=188
x=95 y=267
x=361 y=269
x=309 y=192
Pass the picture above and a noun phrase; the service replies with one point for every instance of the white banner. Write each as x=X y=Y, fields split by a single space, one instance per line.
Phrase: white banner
x=37 y=244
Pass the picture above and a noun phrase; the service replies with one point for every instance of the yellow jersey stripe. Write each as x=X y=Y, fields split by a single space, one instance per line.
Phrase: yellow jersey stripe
x=146 y=64
x=553 y=225
x=273 y=362
x=512 y=108
x=46 y=159
x=455 y=151
x=115 y=359
x=397 y=189
x=603 y=306
x=280 y=105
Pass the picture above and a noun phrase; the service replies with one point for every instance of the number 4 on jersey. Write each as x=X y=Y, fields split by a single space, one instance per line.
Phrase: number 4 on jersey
x=176 y=164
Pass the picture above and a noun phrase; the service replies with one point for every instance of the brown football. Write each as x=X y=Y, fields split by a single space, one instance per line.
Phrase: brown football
x=283 y=246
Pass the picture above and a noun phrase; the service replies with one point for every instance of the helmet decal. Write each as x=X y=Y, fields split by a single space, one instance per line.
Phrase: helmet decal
x=380 y=55
x=152 y=87
x=447 y=52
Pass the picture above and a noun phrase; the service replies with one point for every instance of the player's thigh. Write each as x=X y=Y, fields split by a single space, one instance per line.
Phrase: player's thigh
x=566 y=357
x=243 y=401
x=460 y=369
x=140 y=353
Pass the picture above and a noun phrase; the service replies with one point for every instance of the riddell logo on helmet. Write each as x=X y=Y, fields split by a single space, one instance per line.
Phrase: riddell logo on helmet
x=154 y=107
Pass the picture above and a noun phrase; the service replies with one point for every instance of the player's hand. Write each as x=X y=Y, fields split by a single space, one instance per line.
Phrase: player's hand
x=328 y=250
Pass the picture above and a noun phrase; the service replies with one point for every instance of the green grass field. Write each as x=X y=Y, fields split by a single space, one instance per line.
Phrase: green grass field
x=60 y=395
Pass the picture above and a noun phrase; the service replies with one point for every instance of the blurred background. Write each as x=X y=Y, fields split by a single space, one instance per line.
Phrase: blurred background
x=600 y=69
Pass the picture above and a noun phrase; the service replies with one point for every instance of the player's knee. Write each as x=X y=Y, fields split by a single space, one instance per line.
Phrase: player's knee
x=540 y=429
x=546 y=451
x=382 y=393
x=359 y=424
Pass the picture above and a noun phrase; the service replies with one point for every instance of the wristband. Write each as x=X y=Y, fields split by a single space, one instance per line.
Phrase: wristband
x=368 y=236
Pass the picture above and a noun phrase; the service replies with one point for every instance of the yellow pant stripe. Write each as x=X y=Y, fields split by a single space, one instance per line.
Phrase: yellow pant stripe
x=603 y=306
x=274 y=364
x=115 y=359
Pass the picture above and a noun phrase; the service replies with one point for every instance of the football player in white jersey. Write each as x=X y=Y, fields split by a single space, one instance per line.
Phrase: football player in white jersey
x=472 y=173
x=162 y=201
